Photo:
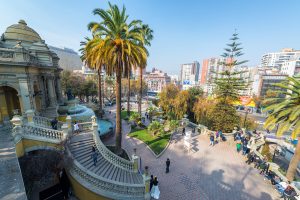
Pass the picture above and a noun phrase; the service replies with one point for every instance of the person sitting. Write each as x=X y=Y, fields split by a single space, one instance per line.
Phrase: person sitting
x=289 y=192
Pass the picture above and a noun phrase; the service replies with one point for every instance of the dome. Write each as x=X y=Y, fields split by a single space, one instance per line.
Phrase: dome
x=21 y=32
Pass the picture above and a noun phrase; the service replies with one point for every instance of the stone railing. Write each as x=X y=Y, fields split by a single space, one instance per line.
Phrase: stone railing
x=45 y=122
x=110 y=156
x=43 y=134
x=85 y=126
x=106 y=187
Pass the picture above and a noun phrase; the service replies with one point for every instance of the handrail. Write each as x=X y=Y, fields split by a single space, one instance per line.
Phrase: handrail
x=29 y=130
x=45 y=122
x=110 y=156
x=85 y=126
x=102 y=186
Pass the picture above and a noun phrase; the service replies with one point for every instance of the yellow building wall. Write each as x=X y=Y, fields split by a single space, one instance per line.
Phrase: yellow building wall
x=26 y=143
x=82 y=193
x=20 y=149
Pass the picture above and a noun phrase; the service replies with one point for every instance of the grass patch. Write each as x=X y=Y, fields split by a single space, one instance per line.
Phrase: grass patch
x=156 y=143
x=124 y=114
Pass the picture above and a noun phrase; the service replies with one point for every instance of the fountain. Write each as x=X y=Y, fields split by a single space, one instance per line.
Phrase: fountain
x=81 y=113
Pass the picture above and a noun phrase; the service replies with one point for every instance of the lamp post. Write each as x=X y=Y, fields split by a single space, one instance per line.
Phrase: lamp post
x=277 y=125
x=246 y=114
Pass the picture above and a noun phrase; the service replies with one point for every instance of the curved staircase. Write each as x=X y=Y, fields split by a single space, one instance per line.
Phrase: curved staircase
x=113 y=177
x=81 y=147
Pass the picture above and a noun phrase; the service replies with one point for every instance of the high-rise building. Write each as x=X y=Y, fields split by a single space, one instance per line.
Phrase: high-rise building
x=210 y=69
x=189 y=75
x=68 y=58
x=156 y=80
x=276 y=59
x=291 y=68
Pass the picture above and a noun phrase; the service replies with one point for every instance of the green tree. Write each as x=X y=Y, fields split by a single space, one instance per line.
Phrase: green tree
x=194 y=94
x=173 y=125
x=155 y=128
x=135 y=117
x=285 y=112
x=229 y=83
x=167 y=97
x=119 y=45
x=203 y=109
x=148 y=37
x=181 y=104
x=90 y=55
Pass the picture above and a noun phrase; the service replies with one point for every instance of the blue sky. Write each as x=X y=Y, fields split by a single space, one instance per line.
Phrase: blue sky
x=184 y=30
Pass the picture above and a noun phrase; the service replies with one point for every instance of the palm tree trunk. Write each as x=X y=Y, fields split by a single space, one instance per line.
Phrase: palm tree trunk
x=294 y=163
x=100 y=92
x=118 y=112
x=128 y=95
x=141 y=92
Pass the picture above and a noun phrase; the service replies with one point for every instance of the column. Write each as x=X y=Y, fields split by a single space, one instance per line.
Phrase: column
x=24 y=90
x=51 y=93
x=58 y=90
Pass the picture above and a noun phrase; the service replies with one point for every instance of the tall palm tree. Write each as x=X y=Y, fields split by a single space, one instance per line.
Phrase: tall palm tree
x=89 y=56
x=148 y=36
x=285 y=112
x=121 y=42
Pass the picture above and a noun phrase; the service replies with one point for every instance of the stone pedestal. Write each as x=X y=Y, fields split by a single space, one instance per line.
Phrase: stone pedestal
x=29 y=115
x=135 y=160
x=65 y=130
x=17 y=131
x=146 y=179
x=69 y=123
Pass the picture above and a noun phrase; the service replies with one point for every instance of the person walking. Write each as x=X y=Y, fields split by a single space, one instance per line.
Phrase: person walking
x=238 y=146
x=168 y=165
x=54 y=123
x=217 y=136
x=155 y=190
x=94 y=156
x=220 y=135
x=183 y=131
x=212 y=139
x=151 y=182
x=76 y=127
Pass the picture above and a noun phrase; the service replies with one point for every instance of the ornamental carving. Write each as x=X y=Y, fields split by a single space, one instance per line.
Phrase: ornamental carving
x=6 y=54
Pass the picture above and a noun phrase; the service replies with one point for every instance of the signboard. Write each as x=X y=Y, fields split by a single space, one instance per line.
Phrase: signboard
x=186 y=82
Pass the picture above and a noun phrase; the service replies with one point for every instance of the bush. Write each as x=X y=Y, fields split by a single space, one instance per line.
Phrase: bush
x=266 y=152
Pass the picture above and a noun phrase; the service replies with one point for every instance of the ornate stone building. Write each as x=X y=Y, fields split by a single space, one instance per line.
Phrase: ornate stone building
x=29 y=74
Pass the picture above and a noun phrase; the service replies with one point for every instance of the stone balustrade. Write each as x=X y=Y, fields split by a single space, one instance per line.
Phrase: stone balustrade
x=45 y=122
x=102 y=186
x=110 y=156
x=41 y=133
x=85 y=126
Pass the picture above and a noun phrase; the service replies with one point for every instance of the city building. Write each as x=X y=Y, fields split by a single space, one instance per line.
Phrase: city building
x=264 y=82
x=174 y=79
x=156 y=80
x=291 y=68
x=68 y=58
x=210 y=68
x=86 y=72
x=29 y=74
x=189 y=75
x=276 y=59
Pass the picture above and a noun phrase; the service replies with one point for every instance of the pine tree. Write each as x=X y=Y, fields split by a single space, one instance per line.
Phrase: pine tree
x=229 y=83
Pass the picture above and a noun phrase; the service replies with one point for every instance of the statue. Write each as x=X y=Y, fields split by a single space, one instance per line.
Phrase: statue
x=69 y=94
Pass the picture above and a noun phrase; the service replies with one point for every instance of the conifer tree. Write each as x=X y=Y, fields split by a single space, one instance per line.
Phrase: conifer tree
x=229 y=82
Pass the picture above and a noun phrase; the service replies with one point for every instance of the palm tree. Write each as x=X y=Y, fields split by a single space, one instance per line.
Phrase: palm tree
x=148 y=36
x=123 y=44
x=89 y=56
x=285 y=112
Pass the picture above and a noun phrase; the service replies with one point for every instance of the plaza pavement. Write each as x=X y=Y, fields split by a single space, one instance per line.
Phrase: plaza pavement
x=205 y=173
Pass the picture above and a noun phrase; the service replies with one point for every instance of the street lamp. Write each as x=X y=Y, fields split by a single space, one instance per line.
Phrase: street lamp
x=247 y=111
x=275 y=150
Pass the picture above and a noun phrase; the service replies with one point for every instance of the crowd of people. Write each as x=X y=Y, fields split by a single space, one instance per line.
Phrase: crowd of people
x=216 y=137
x=242 y=144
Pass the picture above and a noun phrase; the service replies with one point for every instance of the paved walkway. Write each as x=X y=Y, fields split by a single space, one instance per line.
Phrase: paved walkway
x=205 y=173
x=11 y=181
